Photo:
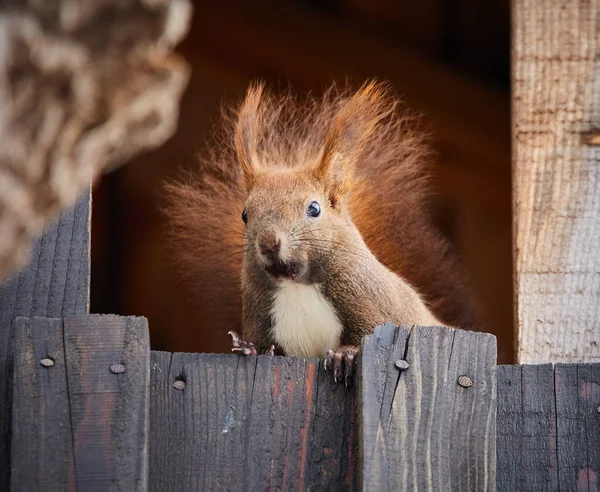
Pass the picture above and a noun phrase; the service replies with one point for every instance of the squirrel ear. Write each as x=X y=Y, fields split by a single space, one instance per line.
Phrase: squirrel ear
x=350 y=131
x=247 y=132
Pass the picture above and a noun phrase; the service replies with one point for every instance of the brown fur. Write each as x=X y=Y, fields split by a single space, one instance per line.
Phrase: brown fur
x=358 y=150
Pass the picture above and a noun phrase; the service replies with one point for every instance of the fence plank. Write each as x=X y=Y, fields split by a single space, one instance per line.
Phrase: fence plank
x=556 y=180
x=432 y=433
x=79 y=425
x=42 y=450
x=54 y=284
x=225 y=422
x=526 y=433
x=577 y=389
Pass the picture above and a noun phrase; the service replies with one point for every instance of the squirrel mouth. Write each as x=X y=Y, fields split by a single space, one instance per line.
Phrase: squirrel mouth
x=283 y=269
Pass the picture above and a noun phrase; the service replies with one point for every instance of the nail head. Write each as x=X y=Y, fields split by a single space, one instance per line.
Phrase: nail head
x=465 y=381
x=402 y=364
x=598 y=409
x=47 y=362
x=179 y=384
x=117 y=368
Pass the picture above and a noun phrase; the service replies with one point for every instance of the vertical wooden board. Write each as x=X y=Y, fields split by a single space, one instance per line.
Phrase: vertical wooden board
x=538 y=447
x=589 y=402
x=170 y=461
x=474 y=411
x=556 y=177
x=224 y=394
x=109 y=411
x=377 y=378
x=575 y=394
x=55 y=283
x=509 y=428
x=333 y=435
x=249 y=423
x=198 y=424
x=42 y=441
x=437 y=435
x=292 y=394
x=526 y=442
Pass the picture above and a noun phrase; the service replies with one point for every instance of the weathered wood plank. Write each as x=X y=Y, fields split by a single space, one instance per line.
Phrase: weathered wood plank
x=556 y=179
x=54 y=284
x=109 y=411
x=78 y=424
x=42 y=450
x=432 y=434
x=225 y=422
x=526 y=429
x=577 y=391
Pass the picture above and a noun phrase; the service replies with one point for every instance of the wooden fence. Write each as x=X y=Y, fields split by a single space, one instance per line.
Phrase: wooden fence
x=88 y=406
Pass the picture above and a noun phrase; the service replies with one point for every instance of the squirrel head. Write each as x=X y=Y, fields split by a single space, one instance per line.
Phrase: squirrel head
x=296 y=212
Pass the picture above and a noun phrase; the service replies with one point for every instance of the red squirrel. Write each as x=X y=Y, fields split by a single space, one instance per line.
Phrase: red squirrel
x=318 y=207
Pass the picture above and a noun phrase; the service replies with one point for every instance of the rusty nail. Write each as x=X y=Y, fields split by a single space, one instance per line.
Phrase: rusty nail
x=465 y=381
x=47 y=361
x=179 y=384
x=402 y=364
x=117 y=368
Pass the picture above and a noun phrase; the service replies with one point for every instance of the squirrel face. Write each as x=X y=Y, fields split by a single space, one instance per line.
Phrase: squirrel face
x=295 y=211
x=291 y=225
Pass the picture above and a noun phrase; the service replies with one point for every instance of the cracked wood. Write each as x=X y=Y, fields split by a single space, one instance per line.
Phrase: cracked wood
x=556 y=178
x=76 y=425
x=418 y=428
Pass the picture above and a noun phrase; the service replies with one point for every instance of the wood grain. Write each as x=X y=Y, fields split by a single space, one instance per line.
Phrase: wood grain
x=419 y=429
x=77 y=425
x=249 y=423
x=577 y=390
x=109 y=412
x=549 y=427
x=556 y=177
x=54 y=284
x=42 y=450
x=526 y=429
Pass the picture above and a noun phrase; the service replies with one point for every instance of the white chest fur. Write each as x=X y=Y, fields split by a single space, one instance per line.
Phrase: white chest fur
x=305 y=324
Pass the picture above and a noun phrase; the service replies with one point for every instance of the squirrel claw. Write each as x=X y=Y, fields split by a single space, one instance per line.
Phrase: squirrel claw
x=342 y=362
x=270 y=350
x=239 y=345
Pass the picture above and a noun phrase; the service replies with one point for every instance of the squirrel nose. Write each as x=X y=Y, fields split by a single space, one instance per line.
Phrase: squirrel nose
x=269 y=246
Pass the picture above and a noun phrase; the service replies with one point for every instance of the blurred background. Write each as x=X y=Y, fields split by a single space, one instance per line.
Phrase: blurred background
x=448 y=59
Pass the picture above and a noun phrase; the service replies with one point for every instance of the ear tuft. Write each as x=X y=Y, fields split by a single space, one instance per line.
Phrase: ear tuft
x=248 y=127
x=349 y=134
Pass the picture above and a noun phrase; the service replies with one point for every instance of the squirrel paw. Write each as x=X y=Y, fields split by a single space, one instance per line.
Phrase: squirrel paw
x=239 y=345
x=342 y=362
x=246 y=348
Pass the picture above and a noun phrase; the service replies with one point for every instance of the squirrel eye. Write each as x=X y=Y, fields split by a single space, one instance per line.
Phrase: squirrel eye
x=245 y=216
x=314 y=209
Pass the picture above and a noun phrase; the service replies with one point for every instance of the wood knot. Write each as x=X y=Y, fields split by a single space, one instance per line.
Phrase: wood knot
x=465 y=381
